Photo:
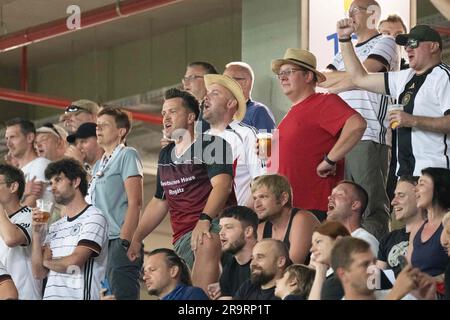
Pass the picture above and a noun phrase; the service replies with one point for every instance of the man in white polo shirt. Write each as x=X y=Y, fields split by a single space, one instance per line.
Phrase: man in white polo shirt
x=15 y=234
x=224 y=108
x=76 y=246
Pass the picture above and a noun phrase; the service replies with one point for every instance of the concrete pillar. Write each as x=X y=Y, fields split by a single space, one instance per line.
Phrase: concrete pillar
x=268 y=28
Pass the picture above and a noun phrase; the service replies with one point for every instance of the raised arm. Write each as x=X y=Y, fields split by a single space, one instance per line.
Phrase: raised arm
x=371 y=82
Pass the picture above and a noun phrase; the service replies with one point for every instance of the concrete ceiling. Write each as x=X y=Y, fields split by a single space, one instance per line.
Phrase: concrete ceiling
x=21 y=14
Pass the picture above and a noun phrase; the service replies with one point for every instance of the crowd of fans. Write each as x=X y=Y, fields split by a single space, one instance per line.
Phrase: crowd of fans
x=350 y=202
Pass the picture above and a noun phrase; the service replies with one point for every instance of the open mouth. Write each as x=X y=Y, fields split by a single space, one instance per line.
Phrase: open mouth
x=330 y=207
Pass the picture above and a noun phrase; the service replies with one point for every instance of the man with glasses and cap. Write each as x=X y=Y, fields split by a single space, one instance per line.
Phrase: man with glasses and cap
x=321 y=128
x=423 y=90
x=79 y=112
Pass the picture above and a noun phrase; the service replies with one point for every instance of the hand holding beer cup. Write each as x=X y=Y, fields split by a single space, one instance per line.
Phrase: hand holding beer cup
x=43 y=212
x=264 y=145
x=394 y=110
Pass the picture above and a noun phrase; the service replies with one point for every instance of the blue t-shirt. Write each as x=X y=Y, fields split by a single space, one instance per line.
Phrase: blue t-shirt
x=184 y=292
x=259 y=116
x=109 y=193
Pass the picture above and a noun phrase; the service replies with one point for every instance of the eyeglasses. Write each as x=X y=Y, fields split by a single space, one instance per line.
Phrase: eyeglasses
x=412 y=43
x=356 y=10
x=51 y=126
x=190 y=78
x=73 y=108
x=286 y=73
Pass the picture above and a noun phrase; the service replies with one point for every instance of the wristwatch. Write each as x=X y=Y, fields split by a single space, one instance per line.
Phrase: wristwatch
x=204 y=216
x=125 y=243
x=327 y=160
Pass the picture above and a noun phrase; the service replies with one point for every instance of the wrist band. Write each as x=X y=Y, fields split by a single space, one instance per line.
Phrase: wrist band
x=345 y=39
x=204 y=216
x=330 y=162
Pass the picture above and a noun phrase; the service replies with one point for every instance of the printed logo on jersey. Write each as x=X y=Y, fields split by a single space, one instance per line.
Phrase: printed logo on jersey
x=75 y=229
x=406 y=98
x=397 y=250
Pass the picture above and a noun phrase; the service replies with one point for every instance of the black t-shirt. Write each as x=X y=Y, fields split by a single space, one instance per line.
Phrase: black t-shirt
x=250 y=291
x=332 y=288
x=233 y=275
x=393 y=245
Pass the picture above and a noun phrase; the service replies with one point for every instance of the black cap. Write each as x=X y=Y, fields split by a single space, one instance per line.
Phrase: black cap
x=86 y=130
x=420 y=32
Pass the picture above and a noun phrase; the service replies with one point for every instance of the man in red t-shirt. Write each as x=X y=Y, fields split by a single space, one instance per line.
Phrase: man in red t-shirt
x=314 y=136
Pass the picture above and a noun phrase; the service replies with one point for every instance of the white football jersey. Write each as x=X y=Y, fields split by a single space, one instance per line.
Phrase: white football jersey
x=17 y=260
x=88 y=229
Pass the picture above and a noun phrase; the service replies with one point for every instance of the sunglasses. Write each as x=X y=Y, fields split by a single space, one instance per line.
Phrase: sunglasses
x=412 y=43
x=73 y=108
x=51 y=126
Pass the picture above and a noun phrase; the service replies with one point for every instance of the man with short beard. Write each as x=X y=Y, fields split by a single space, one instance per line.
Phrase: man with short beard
x=75 y=248
x=238 y=228
x=269 y=260
x=400 y=242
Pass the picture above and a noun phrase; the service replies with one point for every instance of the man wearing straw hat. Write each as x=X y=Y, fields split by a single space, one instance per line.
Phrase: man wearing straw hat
x=315 y=135
x=224 y=108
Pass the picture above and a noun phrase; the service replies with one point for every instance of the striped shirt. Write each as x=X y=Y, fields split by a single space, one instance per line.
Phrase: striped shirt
x=87 y=229
x=427 y=95
x=372 y=106
x=17 y=260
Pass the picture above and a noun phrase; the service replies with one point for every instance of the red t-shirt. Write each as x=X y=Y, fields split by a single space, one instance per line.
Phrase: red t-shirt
x=308 y=132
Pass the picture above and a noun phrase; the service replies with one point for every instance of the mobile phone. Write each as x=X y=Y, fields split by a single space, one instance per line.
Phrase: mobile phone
x=402 y=262
x=105 y=285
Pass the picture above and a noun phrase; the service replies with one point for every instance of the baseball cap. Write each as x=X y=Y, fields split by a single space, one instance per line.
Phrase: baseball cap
x=86 y=130
x=54 y=129
x=420 y=32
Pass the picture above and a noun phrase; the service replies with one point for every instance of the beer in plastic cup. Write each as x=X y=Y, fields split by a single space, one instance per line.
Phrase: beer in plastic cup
x=395 y=107
x=264 y=145
x=45 y=207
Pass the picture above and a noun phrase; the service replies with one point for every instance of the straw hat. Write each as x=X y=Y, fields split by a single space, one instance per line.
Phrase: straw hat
x=234 y=87
x=300 y=57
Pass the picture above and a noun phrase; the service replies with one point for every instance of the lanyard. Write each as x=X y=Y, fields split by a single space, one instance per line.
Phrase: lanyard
x=105 y=161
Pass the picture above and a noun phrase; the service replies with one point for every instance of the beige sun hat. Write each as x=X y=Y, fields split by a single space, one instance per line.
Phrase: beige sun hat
x=234 y=87
x=300 y=57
